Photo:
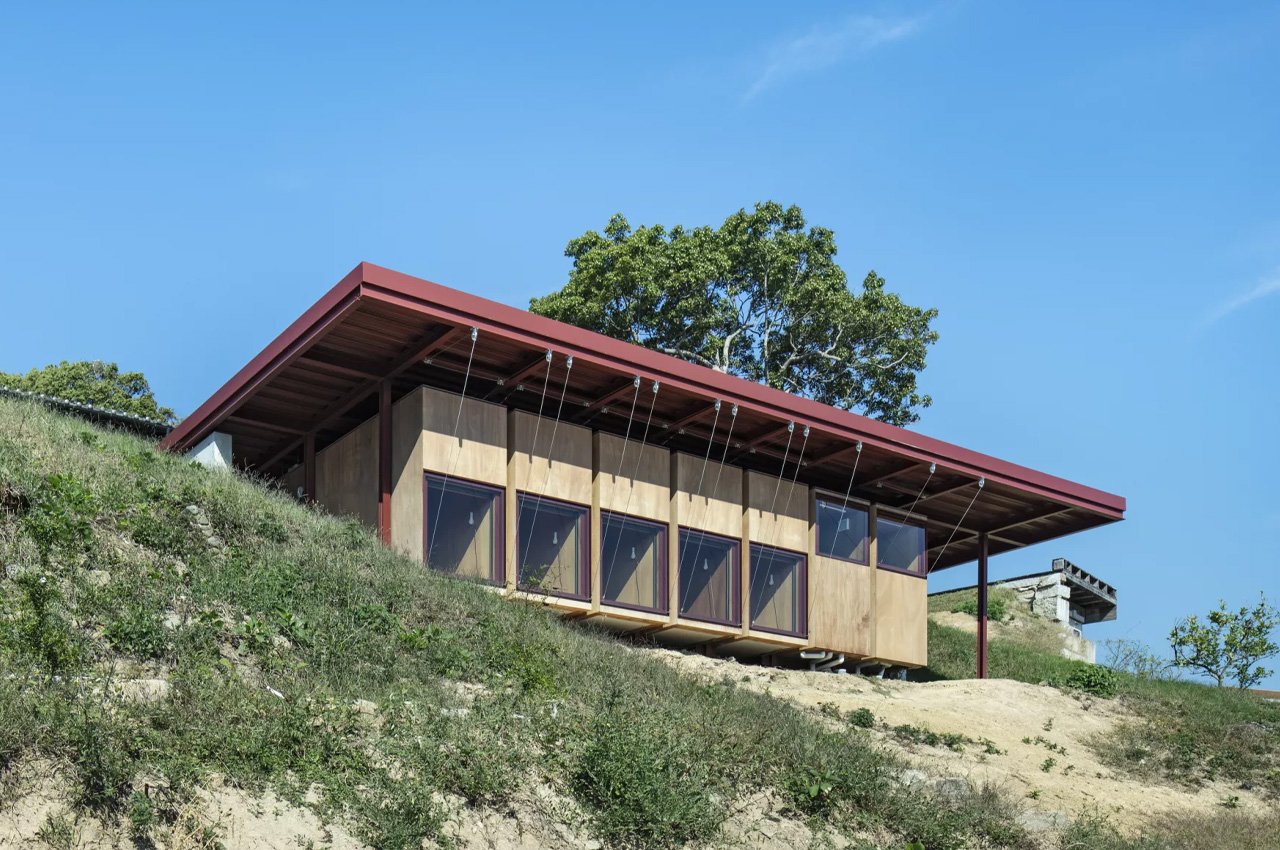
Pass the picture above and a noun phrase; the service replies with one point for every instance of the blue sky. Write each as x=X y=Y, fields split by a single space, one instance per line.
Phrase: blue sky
x=1088 y=192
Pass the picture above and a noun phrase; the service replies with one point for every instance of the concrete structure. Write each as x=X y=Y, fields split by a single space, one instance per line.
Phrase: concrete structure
x=214 y=451
x=615 y=483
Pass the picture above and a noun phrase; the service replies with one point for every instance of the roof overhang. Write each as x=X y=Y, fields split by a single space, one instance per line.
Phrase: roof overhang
x=321 y=377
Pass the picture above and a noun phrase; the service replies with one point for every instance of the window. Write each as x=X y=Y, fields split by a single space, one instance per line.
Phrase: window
x=842 y=531
x=552 y=547
x=633 y=562
x=463 y=529
x=709 y=578
x=779 y=595
x=900 y=546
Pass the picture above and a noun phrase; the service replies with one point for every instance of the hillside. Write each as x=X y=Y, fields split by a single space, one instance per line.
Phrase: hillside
x=192 y=659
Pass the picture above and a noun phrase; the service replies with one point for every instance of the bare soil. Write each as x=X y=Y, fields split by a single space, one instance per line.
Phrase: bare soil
x=1004 y=712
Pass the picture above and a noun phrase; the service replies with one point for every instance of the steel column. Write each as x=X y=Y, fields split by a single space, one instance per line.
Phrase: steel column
x=982 y=605
x=384 y=462
x=309 y=467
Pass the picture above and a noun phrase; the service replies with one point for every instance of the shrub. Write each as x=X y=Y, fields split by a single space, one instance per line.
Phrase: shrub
x=644 y=782
x=862 y=718
x=1090 y=678
x=997 y=609
x=40 y=630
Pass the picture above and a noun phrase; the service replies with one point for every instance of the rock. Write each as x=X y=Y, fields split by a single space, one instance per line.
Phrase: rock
x=1037 y=821
x=910 y=777
x=144 y=690
x=364 y=706
x=98 y=578
x=951 y=787
x=281 y=642
x=214 y=542
x=12 y=571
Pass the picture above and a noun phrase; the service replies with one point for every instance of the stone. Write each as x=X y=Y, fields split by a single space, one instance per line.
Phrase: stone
x=951 y=787
x=911 y=777
x=1038 y=821
x=144 y=690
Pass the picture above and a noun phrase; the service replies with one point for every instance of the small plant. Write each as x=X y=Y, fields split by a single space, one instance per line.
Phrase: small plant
x=1231 y=801
x=142 y=813
x=862 y=718
x=829 y=709
x=1047 y=764
x=58 y=832
x=61 y=516
x=1033 y=794
x=924 y=735
x=1048 y=725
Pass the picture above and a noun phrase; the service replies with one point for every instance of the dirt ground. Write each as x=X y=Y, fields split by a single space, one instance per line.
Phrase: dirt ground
x=1001 y=711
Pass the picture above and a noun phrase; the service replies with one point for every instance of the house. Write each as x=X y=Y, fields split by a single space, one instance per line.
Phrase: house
x=616 y=483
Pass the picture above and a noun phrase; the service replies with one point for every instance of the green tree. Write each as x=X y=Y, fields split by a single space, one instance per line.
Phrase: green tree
x=1228 y=645
x=93 y=382
x=761 y=297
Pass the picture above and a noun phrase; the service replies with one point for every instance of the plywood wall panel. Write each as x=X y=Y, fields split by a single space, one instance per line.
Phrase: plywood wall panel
x=347 y=474
x=478 y=452
x=777 y=512
x=559 y=466
x=840 y=606
x=715 y=504
x=901 y=617
x=407 y=446
x=643 y=488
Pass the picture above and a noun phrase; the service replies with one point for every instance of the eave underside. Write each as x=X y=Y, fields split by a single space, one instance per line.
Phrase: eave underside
x=327 y=381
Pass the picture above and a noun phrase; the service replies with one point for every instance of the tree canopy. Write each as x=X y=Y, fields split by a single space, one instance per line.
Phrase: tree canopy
x=93 y=382
x=761 y=297
x=1227 y=645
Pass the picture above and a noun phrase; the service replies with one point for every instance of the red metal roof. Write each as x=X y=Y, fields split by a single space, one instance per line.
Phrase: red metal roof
x=321 y=376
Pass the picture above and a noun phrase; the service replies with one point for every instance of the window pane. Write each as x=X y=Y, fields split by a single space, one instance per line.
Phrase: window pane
x=464 y=528
x=899 y=545
x=777 y=590
x=842 y=532
x=633 y=561
x=552 y=547
x=709 y=577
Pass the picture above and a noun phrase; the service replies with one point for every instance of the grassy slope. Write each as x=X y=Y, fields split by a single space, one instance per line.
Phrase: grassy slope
x=1185 y=732
x=269 y=636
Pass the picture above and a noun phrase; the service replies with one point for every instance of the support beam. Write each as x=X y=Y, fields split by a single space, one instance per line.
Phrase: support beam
x=945 y=491
x=384 y=462
x=434 y=341
x=594 y=407
x=309 y=467
x=996 y=533
x=261 y=424
x=338 y=369
x=982 y=605
x=508 y=384
x=700 y=412
x=900 y=470
x=763 y=437
x=829 y=457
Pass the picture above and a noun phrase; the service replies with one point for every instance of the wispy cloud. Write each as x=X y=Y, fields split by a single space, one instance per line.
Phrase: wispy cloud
x=1268 y=286
x=827 y=45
